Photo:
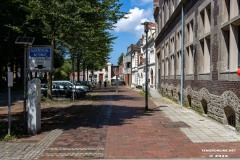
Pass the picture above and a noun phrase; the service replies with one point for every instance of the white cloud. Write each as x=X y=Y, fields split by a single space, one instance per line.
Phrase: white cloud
x=133 y=22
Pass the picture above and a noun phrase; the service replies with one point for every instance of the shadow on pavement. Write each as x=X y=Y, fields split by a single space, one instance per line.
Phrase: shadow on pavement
x=16 y=95
x=90 y=116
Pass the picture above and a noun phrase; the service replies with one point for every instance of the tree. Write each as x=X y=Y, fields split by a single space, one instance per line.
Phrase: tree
x=51 y=16
x=120 y=59
x=73 y=25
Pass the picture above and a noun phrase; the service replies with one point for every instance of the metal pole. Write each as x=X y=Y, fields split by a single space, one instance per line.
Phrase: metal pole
x=182 y=59
x=73 y=76
x=146 y=77
x=116 y=83
x=25 y=89
x=9 y=107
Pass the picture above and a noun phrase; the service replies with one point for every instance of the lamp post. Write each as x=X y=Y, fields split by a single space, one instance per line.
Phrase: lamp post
x=146 y=28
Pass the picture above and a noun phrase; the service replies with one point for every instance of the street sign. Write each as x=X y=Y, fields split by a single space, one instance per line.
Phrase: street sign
x=40 y=59
x=238 y=71
x=10 y=79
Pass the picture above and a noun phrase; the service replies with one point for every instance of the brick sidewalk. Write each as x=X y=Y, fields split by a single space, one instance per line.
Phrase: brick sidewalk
x=153 y=134
x=113 y=125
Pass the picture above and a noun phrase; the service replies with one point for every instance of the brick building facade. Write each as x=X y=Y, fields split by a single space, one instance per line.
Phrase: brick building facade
x=211 y=55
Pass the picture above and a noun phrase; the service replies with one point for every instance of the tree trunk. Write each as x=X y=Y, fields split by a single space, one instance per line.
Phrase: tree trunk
x=73 y=72
x=87 y=73
x=49 y=85
x=49 y=75
x=78 y=69
x=83 y=71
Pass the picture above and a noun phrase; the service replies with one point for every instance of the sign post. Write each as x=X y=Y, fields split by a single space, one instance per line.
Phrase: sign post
x=26 y=41
x=10 y=84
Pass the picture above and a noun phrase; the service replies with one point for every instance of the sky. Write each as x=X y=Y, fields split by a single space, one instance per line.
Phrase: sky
x=129 y=31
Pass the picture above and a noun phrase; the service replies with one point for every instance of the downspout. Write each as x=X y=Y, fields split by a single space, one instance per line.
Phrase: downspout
x=182 y=58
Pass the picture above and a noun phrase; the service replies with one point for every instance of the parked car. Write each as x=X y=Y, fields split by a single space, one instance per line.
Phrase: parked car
x=64 y=89
x=77 y=92
x=68 y=83
x=87 y=86
x=44 y=89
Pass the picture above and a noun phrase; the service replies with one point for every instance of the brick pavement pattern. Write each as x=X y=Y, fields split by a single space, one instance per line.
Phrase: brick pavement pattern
x=114 y=125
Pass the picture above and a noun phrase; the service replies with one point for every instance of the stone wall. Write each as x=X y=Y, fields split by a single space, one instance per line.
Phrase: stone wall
x=224 y=108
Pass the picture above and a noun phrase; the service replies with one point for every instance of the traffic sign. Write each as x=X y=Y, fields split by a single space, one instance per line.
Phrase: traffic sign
x=238 y=71
x=10 y=79
x=40 y=58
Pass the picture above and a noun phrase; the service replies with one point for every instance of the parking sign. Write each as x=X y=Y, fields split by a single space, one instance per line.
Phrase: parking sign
x=40 y=59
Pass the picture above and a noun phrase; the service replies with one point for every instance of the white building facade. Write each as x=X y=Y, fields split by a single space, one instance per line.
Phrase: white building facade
x=151 y=59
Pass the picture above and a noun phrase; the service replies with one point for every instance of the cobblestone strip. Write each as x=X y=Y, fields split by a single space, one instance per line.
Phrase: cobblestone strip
x=9 y=151
x=75 y=152
x=37 y=151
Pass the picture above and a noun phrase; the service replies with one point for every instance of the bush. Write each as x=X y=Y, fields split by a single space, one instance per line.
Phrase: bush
x=139 y=87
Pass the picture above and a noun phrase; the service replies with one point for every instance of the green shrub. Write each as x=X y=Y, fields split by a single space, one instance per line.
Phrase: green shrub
x=139 y=87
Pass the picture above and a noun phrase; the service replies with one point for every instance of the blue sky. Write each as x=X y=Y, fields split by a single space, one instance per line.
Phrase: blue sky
x=130 y=30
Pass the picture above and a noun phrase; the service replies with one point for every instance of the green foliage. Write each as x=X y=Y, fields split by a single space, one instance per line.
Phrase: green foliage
x=15 y=132
x=139 y=87
x=120 y=59
x=71 y=27
x=9 y=137
x=64 y=71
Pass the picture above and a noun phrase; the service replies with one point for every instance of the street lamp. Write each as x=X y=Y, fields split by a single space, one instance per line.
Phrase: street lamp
x=146 y=29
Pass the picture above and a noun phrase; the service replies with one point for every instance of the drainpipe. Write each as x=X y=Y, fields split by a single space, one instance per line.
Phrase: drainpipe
x=182 y=59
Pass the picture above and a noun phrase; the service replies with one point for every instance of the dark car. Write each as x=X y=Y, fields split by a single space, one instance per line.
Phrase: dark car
x=44 y=89
x=77 y=92
x=64 y=90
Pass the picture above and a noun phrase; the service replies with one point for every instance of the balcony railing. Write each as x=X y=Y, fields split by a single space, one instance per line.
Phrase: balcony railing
x=127 y=59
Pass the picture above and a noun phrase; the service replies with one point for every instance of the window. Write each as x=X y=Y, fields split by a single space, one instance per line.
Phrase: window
x=189 y=37
x=226 y=11
x=162 y=68
x=163 y=15
x=230 y=9
x=166 y=67
x=230 y=48
x=167 y=9
x=179 y=39
x=173 y=5
x=178 y=63
x=208 y=19
x=167 y=50
x=172 y=65
x=189 y=60
x=205 y=21
x=225 y=49
x=204 y=34
x=234 y=8
x=172 y=45
x=204 y=57
x=159 y=21
x=162 y=61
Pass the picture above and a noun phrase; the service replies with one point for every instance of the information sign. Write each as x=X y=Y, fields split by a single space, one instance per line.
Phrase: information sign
x=40 y=59
x=10 y=79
